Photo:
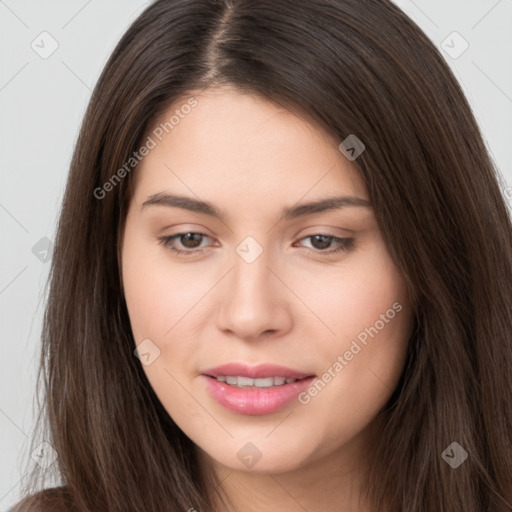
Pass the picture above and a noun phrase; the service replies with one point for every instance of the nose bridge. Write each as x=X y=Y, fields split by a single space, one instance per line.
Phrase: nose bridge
x=253 y=303
x=251 y=275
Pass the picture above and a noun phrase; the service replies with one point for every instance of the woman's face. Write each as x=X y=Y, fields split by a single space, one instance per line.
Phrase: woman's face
x=262 y=279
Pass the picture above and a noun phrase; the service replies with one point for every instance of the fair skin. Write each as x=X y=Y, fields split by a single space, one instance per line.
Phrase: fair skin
x=295 y=305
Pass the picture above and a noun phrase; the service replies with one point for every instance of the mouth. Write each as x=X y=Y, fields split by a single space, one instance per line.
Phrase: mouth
x=256 y=390
x=239 y=381
x=256 y=373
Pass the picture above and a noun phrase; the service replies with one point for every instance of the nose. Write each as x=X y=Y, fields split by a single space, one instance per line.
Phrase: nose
x=254 y=302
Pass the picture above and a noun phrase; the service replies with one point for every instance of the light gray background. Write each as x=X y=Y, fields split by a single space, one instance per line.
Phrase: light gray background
x=42 y=101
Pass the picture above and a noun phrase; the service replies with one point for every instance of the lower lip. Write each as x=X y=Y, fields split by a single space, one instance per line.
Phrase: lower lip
x=255 y=401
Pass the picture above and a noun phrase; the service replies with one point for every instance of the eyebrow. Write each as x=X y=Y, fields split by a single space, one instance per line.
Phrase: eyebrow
x=288 y=213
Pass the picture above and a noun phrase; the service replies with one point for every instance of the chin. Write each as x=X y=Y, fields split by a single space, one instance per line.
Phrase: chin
x=261 y=455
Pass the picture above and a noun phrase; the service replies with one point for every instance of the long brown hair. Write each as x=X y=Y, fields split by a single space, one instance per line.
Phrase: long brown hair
x=353 y=67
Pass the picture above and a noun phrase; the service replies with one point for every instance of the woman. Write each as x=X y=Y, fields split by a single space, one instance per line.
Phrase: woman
x=282 y=274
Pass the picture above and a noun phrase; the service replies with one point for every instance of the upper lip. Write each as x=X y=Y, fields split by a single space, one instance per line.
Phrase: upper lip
x=260 y=371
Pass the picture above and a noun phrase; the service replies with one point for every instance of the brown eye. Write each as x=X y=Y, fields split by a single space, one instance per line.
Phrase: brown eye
x=189 y=241
x=321 y=242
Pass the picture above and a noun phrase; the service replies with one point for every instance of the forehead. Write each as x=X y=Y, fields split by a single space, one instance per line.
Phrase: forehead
x=242 y=148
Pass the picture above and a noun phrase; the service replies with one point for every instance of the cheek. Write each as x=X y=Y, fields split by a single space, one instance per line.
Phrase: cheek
x=158 y=293
x=374 y=332
x=359 y=378
x=160 y=299
x=371 y=317
x=355 y=299
x=372 y=304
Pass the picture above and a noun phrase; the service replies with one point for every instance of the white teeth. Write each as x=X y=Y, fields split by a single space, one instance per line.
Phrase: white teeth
x=243 y=382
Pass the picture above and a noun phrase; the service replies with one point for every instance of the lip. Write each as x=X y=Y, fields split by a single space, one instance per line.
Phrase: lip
x=250 y=401
x=260 y=371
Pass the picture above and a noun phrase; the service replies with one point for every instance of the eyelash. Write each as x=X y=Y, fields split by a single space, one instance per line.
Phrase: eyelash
x=345 y=244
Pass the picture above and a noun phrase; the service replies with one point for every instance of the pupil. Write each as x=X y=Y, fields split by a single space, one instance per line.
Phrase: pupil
x=324 y=244
x=189 y=237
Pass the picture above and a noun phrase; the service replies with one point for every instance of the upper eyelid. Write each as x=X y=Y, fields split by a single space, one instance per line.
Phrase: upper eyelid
x=176 y=236
x=326 y=230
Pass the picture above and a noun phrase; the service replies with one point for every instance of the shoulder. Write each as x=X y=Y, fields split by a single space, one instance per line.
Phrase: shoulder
x=55 y=499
